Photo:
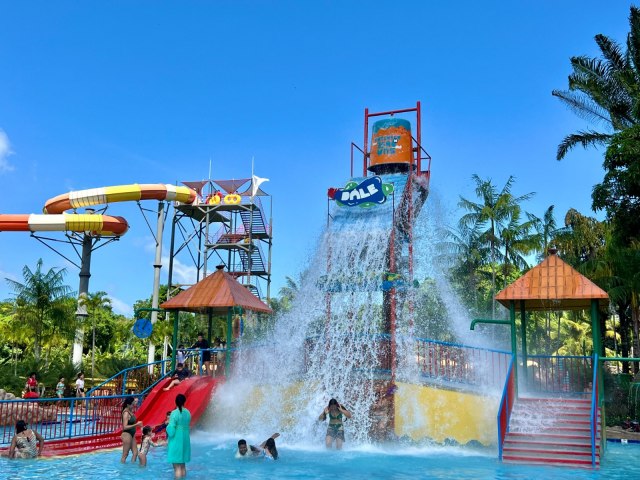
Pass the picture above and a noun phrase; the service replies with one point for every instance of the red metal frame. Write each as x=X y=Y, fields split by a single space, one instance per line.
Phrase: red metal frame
x=417 y=149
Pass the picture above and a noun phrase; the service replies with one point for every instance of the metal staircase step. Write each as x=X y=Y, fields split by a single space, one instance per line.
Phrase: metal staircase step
x=253 y=222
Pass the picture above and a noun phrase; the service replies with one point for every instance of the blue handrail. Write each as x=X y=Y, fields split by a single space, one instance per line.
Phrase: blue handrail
x=124 y=374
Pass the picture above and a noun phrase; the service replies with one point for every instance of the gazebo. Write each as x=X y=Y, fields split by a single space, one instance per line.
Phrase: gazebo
x=551 y=286
x=218 y=293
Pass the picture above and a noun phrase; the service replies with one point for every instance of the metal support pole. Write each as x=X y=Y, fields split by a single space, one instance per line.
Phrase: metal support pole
x=174 y=342
x=83 y=291
x=227 y=356
x=157 y=265
x=523 y=334
x=514 y=344
x=597 y=342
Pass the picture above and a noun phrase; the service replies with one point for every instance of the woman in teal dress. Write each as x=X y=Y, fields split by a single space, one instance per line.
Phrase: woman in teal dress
x=179 y=443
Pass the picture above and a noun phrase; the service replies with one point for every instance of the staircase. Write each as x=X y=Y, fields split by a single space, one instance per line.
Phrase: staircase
x=253 y=222
x=551 y=431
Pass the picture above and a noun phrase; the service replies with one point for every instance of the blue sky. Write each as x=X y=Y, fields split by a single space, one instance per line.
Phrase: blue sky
x=108 y=93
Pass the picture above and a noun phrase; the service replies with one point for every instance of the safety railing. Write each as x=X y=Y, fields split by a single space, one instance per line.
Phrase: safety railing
x=506 y=405
x=558 y=374
x=195 y=361
x=435 y=360
x=453 y=362
x=595 y=400
x=133 y=379
x=58 y=418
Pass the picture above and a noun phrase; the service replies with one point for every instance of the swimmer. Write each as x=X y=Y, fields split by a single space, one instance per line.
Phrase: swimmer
x=251 y=451
x=335 y=429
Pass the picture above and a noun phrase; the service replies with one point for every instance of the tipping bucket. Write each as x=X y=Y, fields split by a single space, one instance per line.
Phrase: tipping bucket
x=391 y=146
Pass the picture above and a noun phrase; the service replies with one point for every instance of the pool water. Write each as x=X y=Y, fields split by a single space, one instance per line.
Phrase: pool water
x=213 y=457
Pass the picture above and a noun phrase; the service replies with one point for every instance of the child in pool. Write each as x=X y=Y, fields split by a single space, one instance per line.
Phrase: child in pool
x=145 y=445
x=160 y=431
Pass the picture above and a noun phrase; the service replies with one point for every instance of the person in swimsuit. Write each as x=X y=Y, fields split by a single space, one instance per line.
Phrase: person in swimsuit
x=24 y=443
x=129 y=426
x=160 y=431
x=269 y=449
x=251 y=451
x=145 y=445
x=60 y=388
x=335 y=429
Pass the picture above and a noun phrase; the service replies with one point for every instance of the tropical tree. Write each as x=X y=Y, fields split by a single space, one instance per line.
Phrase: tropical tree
x=468 y=255
x=490 y=215
x=546 y=229
x=619 y=193
x=93 y=302
x=604 y=90
x=40 y=301
x=517 y=242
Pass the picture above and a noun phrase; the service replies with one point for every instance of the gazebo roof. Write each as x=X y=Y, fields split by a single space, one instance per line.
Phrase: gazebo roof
x=553 y=285
x=217 y=292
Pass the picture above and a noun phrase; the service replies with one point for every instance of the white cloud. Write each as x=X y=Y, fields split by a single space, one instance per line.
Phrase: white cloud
x=121 y=307
x=182 y=274
x=5 y=151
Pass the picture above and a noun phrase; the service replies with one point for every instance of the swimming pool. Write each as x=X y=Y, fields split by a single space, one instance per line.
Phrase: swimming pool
x=213 y=457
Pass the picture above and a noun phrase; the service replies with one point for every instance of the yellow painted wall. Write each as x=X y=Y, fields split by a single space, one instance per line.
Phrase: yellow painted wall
x=427 y=412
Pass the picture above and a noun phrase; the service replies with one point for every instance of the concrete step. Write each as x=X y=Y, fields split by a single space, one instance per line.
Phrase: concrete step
x=550 y=438
x=547 y=454
x=579 y=450
x=557 y=462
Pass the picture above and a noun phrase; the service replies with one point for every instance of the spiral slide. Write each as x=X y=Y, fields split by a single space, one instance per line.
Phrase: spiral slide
x=54 y=220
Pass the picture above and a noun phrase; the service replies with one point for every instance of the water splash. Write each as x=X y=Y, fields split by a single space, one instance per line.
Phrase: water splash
x=328 y=344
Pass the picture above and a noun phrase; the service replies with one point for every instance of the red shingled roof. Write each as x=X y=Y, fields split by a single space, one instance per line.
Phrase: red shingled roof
x=218 y=291
x=553 y=285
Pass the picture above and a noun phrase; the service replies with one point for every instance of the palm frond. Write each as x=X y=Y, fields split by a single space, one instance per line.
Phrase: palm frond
x=583 y=106
x=611 y=51
x=586 y=139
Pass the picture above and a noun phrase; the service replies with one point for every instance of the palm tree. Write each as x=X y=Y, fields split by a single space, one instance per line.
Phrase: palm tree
x=39 y=300
x=469 y=254
x=517 y=241
x=604 y=90
x=494 y=210
x=546 y=230
x=94 y=302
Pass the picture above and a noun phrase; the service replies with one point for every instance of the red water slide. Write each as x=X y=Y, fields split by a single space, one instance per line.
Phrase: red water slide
x=153 y=410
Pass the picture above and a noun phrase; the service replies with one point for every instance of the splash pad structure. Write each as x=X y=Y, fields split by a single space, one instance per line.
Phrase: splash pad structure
x=350 y=332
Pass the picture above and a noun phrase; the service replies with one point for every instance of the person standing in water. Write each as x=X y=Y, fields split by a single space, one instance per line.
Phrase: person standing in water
x=179 y=450
x=129 y=425
x=335 y=429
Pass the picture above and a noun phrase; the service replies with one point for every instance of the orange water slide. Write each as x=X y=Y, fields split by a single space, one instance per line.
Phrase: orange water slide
x=102 y=224
x=121 y=193
x=54 y=220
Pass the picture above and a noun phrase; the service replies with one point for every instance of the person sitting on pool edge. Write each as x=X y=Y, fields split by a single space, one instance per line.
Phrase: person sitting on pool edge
x=335 y=429
x=251 y=451
x=179 y=375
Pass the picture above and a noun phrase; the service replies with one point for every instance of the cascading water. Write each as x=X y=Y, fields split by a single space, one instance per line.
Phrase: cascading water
x=329 y=344
x=309 y=357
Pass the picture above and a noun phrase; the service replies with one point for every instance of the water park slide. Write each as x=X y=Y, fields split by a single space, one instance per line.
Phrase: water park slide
x=55 y=220
x=198 y=391
x=102 y=224
x=121 y=193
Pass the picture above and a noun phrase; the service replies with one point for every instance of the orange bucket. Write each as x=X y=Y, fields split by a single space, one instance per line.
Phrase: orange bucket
x=391 y=145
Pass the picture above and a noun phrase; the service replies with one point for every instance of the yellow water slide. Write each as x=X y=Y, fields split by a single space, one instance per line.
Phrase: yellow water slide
x=55 y=220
